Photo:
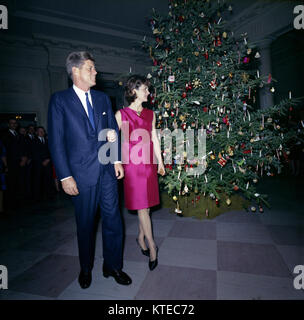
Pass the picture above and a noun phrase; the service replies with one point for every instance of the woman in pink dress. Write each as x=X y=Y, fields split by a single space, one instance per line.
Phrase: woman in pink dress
x=140 y=146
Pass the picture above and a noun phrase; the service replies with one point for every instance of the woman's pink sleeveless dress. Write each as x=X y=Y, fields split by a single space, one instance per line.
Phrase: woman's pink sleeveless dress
x=140 y=181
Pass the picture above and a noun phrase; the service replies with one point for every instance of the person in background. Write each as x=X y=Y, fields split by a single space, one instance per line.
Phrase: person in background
x=3 y=172
x=16 y=160
x=42 y=166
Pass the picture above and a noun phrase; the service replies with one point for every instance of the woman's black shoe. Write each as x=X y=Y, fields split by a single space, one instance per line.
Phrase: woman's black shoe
x=153 y=264
x=144 y=252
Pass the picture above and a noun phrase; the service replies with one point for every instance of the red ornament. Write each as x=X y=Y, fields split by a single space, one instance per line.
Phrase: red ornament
x=181 y=18
x=155 y=62
x=219 y=42
x=184 y=95
x=217 y=202
x=213 y=84
x=222 y=162
x=206 y=55
x=246 y=60
x=188 y=86
x=219 y=63
x=205 y=109
x=226 y=121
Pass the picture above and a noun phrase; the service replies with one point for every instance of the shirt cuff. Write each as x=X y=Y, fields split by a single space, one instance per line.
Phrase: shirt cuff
x=117 y=162
x=66 y=178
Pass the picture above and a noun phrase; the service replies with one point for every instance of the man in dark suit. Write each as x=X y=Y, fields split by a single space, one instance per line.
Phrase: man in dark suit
x=30 y=139
x=42 y=166
x=76 y=118
x=16 y=161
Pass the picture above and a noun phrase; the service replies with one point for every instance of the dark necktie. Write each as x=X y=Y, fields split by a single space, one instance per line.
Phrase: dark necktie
x=90 y=111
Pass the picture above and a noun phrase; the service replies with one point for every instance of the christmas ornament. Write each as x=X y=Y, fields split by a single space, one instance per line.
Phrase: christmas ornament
x=179 y=60
x=228 y=201
x=245 y=77
x=222 y=162
x=213 y=84
x=197 y=83
x=171 y=79
x=253 y=209
x=257 y=55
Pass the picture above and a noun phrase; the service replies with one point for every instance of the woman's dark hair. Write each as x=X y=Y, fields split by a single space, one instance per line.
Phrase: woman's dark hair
x=134 y=82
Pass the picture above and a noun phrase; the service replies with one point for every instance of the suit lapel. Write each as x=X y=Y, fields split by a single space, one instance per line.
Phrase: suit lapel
x=77 y=105
x=97 y=109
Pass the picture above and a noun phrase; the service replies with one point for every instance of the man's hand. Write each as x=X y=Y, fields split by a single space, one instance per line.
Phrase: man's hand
x=45 y=162
x=111 y=135
x=23 y=161
x=119 y=171
x=70 y=187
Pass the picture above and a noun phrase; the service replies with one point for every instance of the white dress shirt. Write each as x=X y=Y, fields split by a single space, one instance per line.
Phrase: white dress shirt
x=82 y=96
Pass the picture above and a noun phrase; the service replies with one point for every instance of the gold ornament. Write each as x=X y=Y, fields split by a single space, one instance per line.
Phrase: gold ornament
x=245 y=77
x=224 y=34
x=197 y=83
x=196 y=53
x=248 y=51
x=175 y=198
x=167 y=105
x=228 y=201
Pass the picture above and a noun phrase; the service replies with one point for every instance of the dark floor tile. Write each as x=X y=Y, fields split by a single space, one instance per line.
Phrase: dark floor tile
x=194 y=230
x=178 y=283
x=163 y=213
x=239 y=217
x=287 y=235
x=261 y=259
x=48 y=241
x=49 y=277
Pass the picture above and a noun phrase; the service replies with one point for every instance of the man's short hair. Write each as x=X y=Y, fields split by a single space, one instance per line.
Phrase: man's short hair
x=77 y=59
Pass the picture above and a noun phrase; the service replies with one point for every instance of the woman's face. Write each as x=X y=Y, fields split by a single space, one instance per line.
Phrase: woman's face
x=142 y=93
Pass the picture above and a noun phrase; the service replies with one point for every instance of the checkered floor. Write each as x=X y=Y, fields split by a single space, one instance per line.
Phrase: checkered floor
x=238 y=255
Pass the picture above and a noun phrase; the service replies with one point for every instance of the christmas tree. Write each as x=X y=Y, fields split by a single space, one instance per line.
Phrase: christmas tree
x=205 y=78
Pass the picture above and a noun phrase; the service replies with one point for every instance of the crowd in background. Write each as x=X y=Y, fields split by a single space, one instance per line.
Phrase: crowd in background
x=27 y=174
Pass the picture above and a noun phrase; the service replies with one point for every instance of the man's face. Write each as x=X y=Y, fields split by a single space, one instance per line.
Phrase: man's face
x=12 y=124
x=40 y=132
x=22 y=131
x=31 y=130
x=86 y=74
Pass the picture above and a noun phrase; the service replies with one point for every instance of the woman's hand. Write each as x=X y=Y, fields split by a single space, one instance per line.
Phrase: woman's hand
x=161 y=169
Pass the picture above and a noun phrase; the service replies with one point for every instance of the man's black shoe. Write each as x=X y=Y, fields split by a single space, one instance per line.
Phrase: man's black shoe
x=85 y=279
x=119 y=276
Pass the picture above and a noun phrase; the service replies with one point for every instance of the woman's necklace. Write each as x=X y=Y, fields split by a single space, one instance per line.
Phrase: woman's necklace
x=139 y=112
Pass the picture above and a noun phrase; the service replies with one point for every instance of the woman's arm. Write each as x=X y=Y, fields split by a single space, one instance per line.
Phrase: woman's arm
x=118 y=119
x=156 y=147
